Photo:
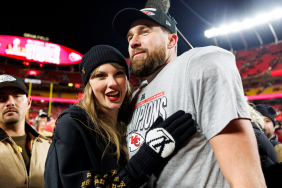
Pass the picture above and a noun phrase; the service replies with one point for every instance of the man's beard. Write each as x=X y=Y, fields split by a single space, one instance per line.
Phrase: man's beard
x=11 y=120
x=146 y=66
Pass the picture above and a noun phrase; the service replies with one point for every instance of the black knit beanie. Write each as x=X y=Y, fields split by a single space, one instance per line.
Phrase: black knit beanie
x=98 y=55
x=267 y=111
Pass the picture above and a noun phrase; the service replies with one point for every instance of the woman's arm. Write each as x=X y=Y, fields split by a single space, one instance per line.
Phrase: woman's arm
x=67 y=164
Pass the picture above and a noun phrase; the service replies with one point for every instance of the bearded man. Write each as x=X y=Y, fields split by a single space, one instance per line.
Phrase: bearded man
x=22 y=150
x=204 y=82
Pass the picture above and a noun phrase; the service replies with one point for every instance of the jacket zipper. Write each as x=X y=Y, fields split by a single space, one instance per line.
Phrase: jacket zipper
x=21 y=160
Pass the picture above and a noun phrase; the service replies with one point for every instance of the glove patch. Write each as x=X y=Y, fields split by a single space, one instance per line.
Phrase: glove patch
x=160 y=141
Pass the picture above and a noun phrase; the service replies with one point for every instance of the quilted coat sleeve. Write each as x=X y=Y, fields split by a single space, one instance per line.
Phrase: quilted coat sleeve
x=68 y=164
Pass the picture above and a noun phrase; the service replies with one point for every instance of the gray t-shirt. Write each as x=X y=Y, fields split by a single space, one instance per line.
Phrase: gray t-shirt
x=206 y=83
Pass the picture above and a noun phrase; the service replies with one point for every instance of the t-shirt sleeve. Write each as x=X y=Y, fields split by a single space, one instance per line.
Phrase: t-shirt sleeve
x=217 y=90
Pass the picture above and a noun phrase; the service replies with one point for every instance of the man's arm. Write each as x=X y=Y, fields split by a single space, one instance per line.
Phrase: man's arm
x=236 y=151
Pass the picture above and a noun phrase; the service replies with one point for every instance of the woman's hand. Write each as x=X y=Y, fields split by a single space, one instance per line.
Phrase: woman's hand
x=161 y=140
x=166 y=136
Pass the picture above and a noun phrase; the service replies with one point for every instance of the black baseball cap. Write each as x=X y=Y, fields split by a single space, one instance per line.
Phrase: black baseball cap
x=12 y=81
x=126 y=17
x=42 y=113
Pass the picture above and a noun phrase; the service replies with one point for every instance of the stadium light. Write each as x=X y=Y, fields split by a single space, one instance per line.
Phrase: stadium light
x=33 y=72
x=246 y=24
x=70 y=84
x=77 y=85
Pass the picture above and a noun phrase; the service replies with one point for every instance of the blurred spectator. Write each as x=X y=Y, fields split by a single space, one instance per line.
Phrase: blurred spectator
x=278 y=130
x=49 y=126
x=266 y=149
x=268 y=114
x=64 y=77
x=39 y=125
x=49 y=123
x=269 y=160
x=42 y=115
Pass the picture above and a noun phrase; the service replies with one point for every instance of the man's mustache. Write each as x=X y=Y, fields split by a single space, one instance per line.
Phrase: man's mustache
x=138 y=50
x=9 y=109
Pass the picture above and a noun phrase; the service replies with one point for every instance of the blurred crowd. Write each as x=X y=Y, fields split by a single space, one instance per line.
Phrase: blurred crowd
x=43 y=123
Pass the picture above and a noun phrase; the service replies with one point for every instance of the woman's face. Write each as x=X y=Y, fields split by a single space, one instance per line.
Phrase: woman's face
x=109 y=86
x=268 y=126
x=41 y=127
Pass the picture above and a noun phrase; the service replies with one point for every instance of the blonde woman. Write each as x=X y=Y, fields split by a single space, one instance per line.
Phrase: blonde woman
x=266 y=150
x=39 y=125
x=268 y=113
x=269 y=161
x=89 y=149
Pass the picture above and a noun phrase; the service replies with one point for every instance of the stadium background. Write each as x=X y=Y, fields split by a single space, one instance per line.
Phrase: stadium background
x=81 y=25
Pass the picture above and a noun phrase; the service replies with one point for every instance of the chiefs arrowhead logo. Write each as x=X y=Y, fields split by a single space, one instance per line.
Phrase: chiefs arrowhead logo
x=136 y=140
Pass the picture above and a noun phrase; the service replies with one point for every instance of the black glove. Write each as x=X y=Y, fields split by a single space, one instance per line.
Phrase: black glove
x=271 y=168
x=165 y=136
x=161 y=140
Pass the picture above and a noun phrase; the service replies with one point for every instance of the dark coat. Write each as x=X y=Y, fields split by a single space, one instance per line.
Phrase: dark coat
x=75 y=156
x=271 y=168
x=266 y=150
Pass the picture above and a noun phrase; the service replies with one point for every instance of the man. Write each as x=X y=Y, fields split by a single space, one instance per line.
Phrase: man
x=268 y=113
x=49 y=122
x=204 y=82
x=22 y=150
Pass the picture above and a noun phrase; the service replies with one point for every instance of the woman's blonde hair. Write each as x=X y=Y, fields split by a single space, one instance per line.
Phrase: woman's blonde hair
x=36 y=123
x=112 y=134
x=256 y=117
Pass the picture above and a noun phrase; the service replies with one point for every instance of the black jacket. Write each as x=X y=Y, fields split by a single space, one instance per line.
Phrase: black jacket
x=75 y=157
x=266 y=150
x=271 y=168
x=274 y=140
